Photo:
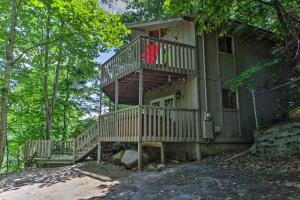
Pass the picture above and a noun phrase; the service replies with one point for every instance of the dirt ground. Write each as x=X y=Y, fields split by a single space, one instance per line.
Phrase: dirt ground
x=248 y=177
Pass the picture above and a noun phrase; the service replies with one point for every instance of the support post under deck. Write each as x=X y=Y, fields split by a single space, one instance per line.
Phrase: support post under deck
x=162 y=153
x=99 y=152
x=141 y=79
x=116 y=94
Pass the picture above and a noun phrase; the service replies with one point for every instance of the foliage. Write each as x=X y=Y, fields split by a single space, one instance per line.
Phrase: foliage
x=142 y=10
x=247 y=76
x=78 y=32
x=281 y=17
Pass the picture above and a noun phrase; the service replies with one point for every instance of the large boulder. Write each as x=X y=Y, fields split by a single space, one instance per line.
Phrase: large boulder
x=294 y=114
x=116 y=158
x=130 y=158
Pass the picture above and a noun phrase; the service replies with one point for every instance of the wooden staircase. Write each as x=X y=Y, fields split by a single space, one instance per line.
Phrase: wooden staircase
x=86 y=143
x=57 y=153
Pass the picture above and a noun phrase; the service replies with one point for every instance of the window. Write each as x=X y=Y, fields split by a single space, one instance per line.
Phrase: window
x=168 y=102
x=159 y=33
x=163 y=32
x=225 y=44
x=155 y=103
x=229 y=99
x=154 y=33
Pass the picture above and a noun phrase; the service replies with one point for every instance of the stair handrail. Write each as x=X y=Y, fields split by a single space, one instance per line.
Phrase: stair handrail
x=79 y=145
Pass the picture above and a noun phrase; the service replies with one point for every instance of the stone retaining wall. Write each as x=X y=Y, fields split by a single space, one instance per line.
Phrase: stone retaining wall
x=280 y=139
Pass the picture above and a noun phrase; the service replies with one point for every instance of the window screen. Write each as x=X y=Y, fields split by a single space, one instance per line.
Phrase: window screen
x=225 y=44
x=229 y=99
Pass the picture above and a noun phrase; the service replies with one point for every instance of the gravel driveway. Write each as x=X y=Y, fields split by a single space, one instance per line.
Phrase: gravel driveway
x=197 y=180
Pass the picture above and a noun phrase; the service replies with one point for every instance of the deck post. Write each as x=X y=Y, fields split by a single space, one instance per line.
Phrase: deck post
x=141 y=78
x=116 y=94
x=198 y=151
x=49 y=148
x=99 y=152
x=162 y=153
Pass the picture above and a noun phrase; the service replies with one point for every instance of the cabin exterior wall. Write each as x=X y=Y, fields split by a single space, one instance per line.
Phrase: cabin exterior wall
x=187 y=88
x=236 y=126
x=183 y=30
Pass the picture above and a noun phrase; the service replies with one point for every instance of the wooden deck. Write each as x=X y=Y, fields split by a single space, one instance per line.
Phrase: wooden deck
x=169 y=56
x=142 y=124
x=47 y=152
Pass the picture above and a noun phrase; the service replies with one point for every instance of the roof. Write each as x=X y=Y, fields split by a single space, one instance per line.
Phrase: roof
x=189 y=18
x=153 y=22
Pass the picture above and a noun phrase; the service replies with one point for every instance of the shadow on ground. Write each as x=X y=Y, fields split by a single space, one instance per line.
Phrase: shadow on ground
x=47 y=177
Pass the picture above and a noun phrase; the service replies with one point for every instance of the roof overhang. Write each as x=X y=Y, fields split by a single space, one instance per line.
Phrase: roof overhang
x=154 y=22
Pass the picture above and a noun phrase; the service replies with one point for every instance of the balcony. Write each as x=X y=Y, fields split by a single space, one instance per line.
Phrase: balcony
x=152 y=54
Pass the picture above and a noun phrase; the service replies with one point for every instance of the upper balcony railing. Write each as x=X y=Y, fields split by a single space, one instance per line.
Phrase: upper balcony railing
x=150 y=53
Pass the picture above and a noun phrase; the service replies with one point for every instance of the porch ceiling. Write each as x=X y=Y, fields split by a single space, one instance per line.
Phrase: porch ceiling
x=129 y=85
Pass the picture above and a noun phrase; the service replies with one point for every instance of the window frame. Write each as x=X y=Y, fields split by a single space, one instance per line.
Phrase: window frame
x=159 y=31
x=162 y=99
x=236 y=101
x=232 y=45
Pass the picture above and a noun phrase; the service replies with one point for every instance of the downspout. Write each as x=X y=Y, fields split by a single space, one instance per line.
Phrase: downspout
x=206 y=114
x=208 y=130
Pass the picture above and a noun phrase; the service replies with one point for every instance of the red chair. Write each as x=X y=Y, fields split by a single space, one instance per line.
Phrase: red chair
x=151 y=54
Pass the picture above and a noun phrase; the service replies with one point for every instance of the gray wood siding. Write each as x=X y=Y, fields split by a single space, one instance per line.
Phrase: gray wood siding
x=236 y=126
x=183 y=30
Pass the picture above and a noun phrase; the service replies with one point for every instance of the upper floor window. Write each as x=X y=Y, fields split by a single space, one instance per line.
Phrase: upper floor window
x=225 y=44
x=154 y=33
x=229 y=99
x=159 y=33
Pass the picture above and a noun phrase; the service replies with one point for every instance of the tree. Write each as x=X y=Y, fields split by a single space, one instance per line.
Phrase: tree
x=10 y=45
x=59 y=41
x=281 y=17
x=141 y=10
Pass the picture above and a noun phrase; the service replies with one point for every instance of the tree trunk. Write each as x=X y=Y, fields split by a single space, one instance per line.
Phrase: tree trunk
x=7 y=75
x=66 y=104
x=56 y=79
x=46 y=92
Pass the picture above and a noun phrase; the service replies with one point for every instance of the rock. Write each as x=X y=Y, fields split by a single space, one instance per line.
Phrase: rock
x=178 y=156
x=174 y=161
x=294 y=114
x=160 y=167
x=150 y=167
x=116 y=158
x=130 y=158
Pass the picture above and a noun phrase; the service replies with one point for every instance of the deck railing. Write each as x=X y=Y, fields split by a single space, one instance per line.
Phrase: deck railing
x=133 y=124
x=150 y=53
x=48 y=149
x=157 y=124
x=87 y=140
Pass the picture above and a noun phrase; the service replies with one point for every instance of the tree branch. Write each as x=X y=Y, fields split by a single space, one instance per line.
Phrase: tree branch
x=39 y=45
